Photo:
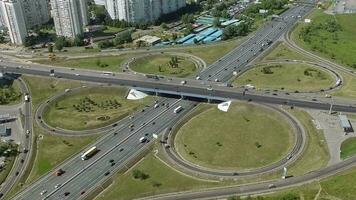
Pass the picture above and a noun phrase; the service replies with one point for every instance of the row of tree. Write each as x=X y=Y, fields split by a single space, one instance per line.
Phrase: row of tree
x=120 y=39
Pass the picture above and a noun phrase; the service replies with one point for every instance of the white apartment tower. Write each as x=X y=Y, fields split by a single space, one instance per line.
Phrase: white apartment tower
x=70 y=17
x=141 y=10
x=14 y=20
x=20 y=15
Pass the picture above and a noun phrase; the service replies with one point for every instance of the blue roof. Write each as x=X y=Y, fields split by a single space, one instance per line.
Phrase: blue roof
x=184 y=39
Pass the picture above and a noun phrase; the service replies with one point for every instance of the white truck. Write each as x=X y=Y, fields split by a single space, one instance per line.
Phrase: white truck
x=27 y=97
x=143 y=139
x=178 y=109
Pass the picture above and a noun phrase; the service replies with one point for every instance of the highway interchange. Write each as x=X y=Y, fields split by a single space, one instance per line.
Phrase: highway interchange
x=122 y=144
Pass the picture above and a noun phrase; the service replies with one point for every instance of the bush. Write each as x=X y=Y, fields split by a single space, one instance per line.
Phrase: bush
x=138 y=174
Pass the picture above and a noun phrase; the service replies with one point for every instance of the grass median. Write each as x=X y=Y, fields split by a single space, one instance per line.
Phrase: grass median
x=288 y=77
x=167 y=65
x=102 y=63
x=152 y=177
x=91 y=108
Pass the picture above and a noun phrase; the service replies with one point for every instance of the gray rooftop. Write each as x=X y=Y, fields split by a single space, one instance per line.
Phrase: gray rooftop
x=344 y=121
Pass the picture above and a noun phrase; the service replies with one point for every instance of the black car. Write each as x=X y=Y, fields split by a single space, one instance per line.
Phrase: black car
x=66 y=193
x=107 y=173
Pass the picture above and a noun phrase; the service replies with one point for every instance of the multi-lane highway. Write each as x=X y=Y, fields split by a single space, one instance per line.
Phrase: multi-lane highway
x=122 y=143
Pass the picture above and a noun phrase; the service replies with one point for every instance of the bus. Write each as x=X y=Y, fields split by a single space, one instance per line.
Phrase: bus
x=108 y=73
x=178 y=109
x=90 y=153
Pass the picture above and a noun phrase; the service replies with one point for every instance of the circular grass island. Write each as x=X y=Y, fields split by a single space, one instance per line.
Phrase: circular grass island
x=246 y=137
x=90 y=108
x=288 y=77
x=164 y=64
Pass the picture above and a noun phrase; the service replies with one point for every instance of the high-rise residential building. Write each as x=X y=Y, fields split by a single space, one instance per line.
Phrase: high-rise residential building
x=141 y=10
x=70 y=17
x=14 y=20
x=35 y=12
x=20 y=15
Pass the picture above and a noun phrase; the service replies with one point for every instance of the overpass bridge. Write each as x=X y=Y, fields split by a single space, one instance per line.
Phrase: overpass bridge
x=196 y=89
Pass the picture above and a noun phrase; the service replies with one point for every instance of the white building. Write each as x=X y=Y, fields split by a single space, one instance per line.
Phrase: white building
x=20 y=15
x=14 y=20
x=70 y=16
x=141 y=10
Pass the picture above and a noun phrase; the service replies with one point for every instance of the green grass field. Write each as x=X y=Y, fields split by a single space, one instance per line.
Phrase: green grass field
x=162 y=179
x=289 y=77
x=330 y=36
x=348 y=148
x=104 y=63
x=247 y=136
x=91 y=108
x=281 y=52
x=159 y=64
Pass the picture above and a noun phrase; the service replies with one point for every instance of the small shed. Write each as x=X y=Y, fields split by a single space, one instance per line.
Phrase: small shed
x=4 y=131
x=345 y=123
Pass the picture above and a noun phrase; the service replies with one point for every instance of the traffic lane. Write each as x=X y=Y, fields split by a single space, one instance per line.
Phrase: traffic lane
x=88 y=178
x=262 y=31
x=103 y=145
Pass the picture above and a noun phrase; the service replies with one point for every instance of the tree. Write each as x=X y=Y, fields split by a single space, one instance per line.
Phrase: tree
x=164 y=26
x=138 y=174
x=105 y=44
x=78 y=40
x=188 y=29
x=216 y=22
x=122 y=38
x=60 y=43
x=174 y=36
x=2 y=38
x=30 y=41
x=50 y=48
x=188 y=18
